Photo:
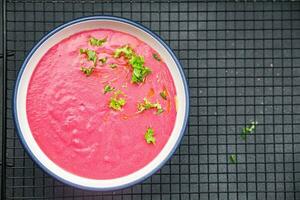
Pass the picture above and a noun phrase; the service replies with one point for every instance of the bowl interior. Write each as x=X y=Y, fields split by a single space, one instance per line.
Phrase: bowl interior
x=63 y=32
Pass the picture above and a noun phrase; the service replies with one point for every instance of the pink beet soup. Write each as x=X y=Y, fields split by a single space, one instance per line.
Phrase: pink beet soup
x=88 y=113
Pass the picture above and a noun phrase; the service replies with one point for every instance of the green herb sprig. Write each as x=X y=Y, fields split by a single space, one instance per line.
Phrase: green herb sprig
x=108 y=88
x=103 y=60
x=87 y=70
x=91 y=55
x=116 y=102
x=124 y=50
x=248 y=130
x=97 y=42
x=140 y=71
x=149 y=136
x=146 y=105
x=163 y=94
x=232 y=159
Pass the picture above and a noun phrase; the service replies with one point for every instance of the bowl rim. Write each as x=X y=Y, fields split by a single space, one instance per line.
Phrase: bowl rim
x=83 y=19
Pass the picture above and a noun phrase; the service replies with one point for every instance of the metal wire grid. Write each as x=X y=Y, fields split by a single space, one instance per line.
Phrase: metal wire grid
x=242 y=63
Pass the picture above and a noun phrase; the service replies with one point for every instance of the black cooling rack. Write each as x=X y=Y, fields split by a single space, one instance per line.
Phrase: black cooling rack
x=242 y=62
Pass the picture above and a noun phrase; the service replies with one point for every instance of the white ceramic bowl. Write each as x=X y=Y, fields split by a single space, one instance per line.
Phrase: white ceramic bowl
x=64 y=31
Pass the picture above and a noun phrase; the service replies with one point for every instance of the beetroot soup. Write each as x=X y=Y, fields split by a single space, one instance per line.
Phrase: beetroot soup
x=101 y=104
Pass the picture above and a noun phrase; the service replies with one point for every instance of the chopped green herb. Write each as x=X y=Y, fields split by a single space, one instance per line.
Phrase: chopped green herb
x=97 y=42
x=125 y=50
x=248 y=130
x=149 y=136
x=232 y=159
x=113 y=65
x=139 y=70
x=156 y=57
x=103 y=60
x=87 y=70
x=137 y=63
x=159 y=111
x=116 y=102
x=107 y=89
x=163 y=94
x=146 y=105
x=159 y=108
x=91 y=55
x=139 y=75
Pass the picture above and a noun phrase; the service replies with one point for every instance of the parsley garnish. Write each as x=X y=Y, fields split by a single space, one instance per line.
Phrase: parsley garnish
x=103 y=60
x=113 y=65
x=159 y=110
x=163 y=94
x=107 y=89
x=156 y=57
x=125 y=50
x=149 y=136
x=248 y=129
x=91 y=55
x=116 y=102
x=146 y=105
x=139 y=70
x=97 y=42
x=87 y=70
x=232 y=159
x=137 y=63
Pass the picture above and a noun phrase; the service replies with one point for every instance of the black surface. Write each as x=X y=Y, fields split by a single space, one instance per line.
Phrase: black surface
x=242 y=63
x=1 y=89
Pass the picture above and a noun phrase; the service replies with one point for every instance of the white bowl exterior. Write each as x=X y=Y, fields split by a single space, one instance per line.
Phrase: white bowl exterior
x=21 y=94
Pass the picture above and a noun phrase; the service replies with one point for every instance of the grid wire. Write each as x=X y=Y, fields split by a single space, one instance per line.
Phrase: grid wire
x=242 y=62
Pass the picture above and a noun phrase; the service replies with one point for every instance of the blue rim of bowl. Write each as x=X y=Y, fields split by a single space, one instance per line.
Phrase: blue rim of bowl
x=112 y=18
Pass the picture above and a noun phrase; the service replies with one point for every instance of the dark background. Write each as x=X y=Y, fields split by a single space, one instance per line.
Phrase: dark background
x=242 y=62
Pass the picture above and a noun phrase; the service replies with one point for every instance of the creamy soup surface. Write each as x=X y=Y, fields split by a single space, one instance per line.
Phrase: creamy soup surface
x=101 y=104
